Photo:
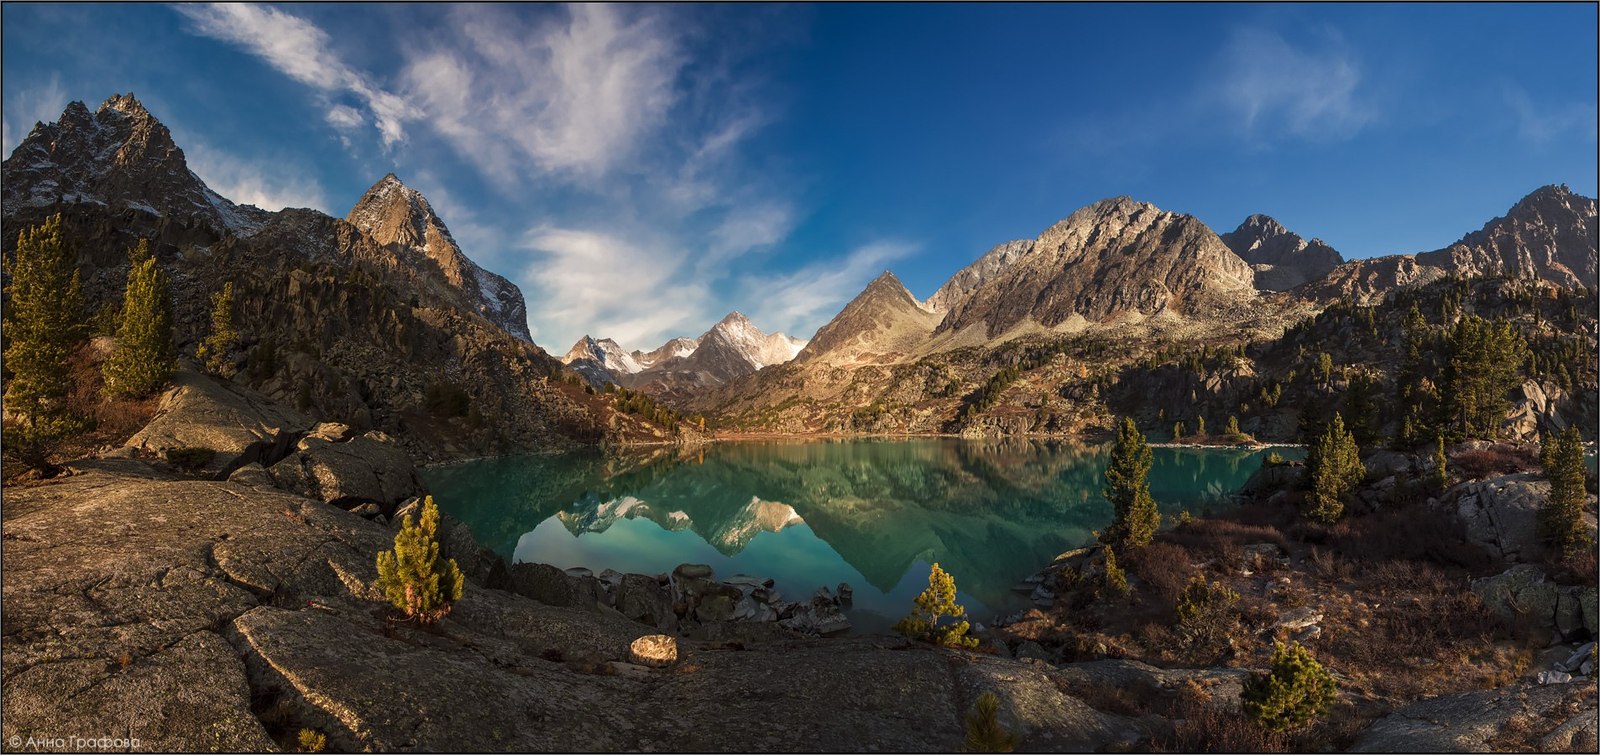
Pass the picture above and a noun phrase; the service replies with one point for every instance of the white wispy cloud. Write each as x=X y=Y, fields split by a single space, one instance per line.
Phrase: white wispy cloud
x=303 y=51
x=27 y=106
x=608 y=286
x=803 y=300
x=1539 y=123
x=1273 y=88
x=269 y=184
x=572 y=95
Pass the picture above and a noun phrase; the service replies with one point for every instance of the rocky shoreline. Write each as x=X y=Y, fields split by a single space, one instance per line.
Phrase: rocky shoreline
x=233 y=603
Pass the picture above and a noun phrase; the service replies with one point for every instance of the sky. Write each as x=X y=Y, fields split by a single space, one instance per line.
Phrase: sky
x=640 y=171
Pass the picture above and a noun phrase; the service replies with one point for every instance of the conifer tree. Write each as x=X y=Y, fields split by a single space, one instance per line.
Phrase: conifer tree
x=43 y=323
x=1200 y=426
x=1441 y=464
x=1292 y=694
x=1561 y=516
x=1233 y=425
x=213 y=351
x=412 y=577
x=1134 y=516
x=936 y=602
x=1335 y=467
x=1177 y=430
x=143 y=359
x=1114 y=583
x=1484 y=364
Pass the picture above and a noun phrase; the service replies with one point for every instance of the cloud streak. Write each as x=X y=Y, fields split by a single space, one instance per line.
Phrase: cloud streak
x=303 y=51
x=268 y=184
x=1273 y=88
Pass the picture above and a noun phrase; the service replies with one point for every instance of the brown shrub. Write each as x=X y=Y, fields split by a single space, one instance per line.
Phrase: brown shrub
x=1204 y=727
x=1163 y=566
x=1415 y=533
x=1497 y=460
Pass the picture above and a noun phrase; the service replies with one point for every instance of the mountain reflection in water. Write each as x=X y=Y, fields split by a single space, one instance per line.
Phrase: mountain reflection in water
x=868 y=512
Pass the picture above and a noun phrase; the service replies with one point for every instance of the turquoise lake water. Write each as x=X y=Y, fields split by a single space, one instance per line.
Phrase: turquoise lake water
x=873 y=513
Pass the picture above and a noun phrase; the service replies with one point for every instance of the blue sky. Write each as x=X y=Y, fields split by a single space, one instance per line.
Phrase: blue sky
x=640 y=171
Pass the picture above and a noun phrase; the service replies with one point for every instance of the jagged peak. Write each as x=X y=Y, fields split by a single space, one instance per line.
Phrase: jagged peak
x=735 y=318
x=1265 y=223
x=126 y=104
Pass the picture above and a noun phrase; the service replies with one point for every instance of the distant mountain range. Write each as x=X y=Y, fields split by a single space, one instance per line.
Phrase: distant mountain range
x=364 y=318
x=683 y=367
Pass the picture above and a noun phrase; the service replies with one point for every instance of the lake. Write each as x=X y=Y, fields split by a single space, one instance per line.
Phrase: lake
x=871 y=512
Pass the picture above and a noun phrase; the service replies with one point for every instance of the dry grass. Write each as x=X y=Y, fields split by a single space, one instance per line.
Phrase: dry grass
x=1498 y=460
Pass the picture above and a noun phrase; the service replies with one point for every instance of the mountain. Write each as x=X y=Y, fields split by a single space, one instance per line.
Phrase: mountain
x=1116 y=260
x=883 y=324
x=600 y=361
x=981 y=271
x=381 y=323
x=1280 y=257
x=677 y=347
x=731 y=349
x=1550 y=234
x=395 y=214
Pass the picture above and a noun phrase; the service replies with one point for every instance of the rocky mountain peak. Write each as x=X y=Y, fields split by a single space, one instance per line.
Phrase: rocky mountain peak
x=126 y=104
x=394 y=214
x=881 y=324
x=1281 y=258
x=120 y=156
x=1548 y=234
x=1115 y=258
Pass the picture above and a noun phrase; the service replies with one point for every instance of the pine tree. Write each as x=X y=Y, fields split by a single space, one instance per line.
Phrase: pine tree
x=412 y=577
x=43 y=323
x=1177 y=430
x=1292 y=694
x=1441 y=464
x=1335 y=467
x=1233 y=425
x=984 y=732
x=1484 y=364
x=144 y=356
x=213 y=351
x=936 y=602
x=1134 y=519
x=1200 y=426
x=1561 y=516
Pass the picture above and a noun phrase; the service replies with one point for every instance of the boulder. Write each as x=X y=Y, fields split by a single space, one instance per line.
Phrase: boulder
x=1553 y=677
x=1031 y=649
x=641 y=598
x=1500 y=514
x=811 y=618
x=654 y=650
x=366 y=468
x=1271 y=479
x=552 y=586
x=1465 y=722
x=1296 y=619
x=254 y=475
x=1388 y=463
x=234 y=422
x=1520 y=596
x=1569 y=619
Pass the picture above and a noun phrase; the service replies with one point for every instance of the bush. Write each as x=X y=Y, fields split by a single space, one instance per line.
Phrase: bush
x=190 y=458
x=1206 y=615
x=1274 y=459
x=938 y=601
x=311 y=740
x=984 y=732
x=1489 y=462
x=1114 y=582
x=1292 y=694
x=412 y=577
